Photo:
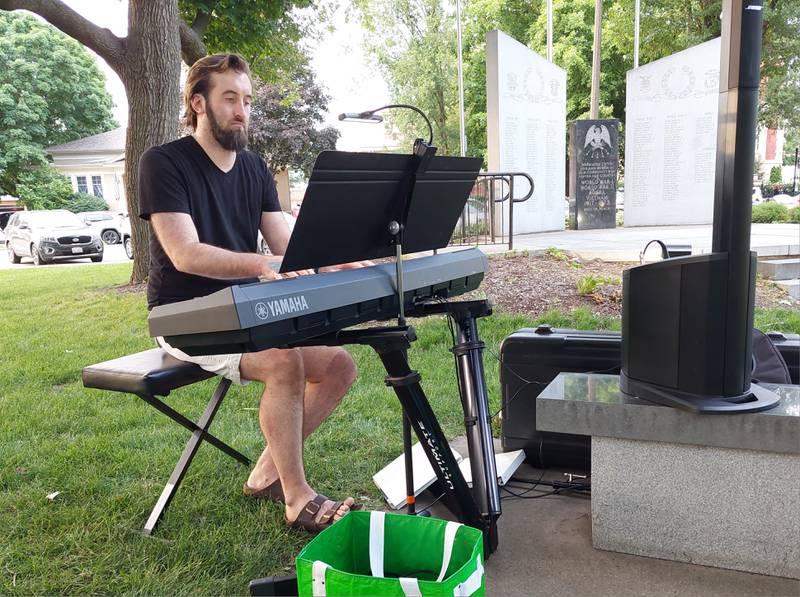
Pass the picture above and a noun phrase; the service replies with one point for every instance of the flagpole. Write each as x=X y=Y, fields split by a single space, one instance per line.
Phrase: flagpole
x=462 y=131
x=636 y=35
x=550 y=30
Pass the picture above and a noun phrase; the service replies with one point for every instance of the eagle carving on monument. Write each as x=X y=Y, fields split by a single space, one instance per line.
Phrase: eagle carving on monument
x=598 y=142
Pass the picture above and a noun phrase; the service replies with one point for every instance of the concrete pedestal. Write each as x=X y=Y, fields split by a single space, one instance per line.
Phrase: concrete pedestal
x=717 y=490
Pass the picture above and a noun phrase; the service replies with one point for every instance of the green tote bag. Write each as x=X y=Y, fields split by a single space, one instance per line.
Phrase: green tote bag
x=375 y=553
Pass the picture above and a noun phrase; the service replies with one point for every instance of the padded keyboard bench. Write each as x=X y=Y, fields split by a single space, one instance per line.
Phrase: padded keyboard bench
x=154 y=373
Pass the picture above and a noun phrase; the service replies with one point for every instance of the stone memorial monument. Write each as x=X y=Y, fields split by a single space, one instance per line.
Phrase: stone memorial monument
x=593 y=158
x=671 y=138
x=526 y=113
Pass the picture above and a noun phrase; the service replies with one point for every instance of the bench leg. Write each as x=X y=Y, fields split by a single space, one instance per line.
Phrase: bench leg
x=199 y=434
x=192 y=426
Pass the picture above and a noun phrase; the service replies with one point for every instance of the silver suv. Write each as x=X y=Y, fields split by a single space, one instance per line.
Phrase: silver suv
x=107 y=224
x=51 y=235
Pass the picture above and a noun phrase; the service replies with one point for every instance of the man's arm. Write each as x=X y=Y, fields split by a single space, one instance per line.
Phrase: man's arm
x=177 y=234
x=275 y=231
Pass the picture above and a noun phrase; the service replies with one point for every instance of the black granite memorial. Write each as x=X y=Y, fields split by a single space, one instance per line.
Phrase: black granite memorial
x=594 y=155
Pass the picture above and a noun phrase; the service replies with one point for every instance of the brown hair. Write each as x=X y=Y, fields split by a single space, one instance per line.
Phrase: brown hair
x=198 y=80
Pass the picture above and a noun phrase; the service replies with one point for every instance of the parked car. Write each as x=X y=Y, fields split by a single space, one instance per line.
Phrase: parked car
x=108 y=224
x=787 y=200
x=51 y=235
x=127 y=243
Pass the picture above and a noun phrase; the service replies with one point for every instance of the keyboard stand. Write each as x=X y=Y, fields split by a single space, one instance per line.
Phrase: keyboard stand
x=480 y=507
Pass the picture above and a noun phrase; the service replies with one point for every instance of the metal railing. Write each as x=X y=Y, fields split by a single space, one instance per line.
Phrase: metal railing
x=483 y=221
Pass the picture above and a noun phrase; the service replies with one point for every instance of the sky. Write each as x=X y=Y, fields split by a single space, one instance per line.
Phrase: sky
x=341 y=67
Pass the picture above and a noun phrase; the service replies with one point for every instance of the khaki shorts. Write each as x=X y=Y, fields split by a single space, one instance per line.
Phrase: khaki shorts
x=226 y=365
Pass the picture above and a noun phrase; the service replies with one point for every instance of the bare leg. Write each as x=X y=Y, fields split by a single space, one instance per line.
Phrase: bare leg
x=329 y=374
x=286 y=374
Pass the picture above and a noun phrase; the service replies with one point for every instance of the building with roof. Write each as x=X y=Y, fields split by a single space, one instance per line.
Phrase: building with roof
x=95 y=165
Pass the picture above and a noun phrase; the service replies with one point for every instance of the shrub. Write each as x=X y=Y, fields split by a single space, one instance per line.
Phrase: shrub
x=775 y=175
x=43 y=188
x=80 y=202
x=766 y=213
x=794 y=214
x=556 y=253
x=589 y=283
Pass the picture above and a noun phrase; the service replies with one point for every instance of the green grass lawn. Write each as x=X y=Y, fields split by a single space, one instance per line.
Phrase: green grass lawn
x=109 y=454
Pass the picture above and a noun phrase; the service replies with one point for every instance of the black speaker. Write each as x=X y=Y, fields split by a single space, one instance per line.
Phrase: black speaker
x=686 y=322
x=675 y=349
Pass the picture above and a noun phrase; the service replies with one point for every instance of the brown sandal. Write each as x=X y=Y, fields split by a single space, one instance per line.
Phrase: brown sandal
x=272 y=492
x=307 y=519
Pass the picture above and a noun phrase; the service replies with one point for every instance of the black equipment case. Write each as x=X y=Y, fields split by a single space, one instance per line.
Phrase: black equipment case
x=531 y=358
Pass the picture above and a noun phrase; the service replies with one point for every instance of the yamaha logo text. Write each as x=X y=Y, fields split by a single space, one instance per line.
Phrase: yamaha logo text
x=282 y=306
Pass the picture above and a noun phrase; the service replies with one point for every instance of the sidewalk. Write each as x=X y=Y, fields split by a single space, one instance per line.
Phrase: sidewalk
x=624 y=244
x=546 y=548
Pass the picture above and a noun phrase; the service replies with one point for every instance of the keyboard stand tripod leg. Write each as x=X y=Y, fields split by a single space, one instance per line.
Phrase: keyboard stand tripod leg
x=405 y=383
x=411 y=507
x=474 y=400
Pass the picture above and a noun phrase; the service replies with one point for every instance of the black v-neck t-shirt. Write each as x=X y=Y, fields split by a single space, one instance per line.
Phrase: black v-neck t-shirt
x=225 y=207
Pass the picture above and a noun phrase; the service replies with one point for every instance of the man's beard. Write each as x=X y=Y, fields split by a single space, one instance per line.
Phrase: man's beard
x=230 y=139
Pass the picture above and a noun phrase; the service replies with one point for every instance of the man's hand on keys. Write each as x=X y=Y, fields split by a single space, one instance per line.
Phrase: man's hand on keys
x=270 y=271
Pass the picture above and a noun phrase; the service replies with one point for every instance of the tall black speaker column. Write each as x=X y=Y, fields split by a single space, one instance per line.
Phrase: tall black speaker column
x=686 y=322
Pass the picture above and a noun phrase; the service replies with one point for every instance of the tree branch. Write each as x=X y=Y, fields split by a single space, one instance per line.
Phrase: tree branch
x=192 y=46
x=104 y=43
x=201 y=21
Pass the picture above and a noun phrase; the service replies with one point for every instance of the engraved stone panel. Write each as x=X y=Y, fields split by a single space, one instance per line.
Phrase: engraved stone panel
x=526 y=111
x=671 y=138
x=594 y=157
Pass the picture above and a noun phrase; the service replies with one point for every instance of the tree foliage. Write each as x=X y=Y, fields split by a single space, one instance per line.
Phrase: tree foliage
x=791 y=143
x=669 y=26
x=413 y=41
x=147 y=60
x=666 y=27
x=573 y=28
x=43 y=187
x=267 y=33
x=51 y=92
x=284 y=123
x=513 y=17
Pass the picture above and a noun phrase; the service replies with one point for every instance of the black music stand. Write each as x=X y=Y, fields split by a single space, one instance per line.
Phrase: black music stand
x=365 y=206
x=352 y=197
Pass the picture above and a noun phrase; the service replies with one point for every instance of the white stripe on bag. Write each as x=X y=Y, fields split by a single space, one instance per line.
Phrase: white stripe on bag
x=318 y=569
x=410 y=587
x=376 y=520
x=449 y=538
x=473 y=583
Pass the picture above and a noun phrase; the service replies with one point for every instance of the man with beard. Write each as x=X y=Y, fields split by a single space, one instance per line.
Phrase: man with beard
x=206 y=198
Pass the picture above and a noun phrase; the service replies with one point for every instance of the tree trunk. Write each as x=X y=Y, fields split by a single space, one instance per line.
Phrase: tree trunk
x=594 y=100
x=148 y=62
x=151 y=75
